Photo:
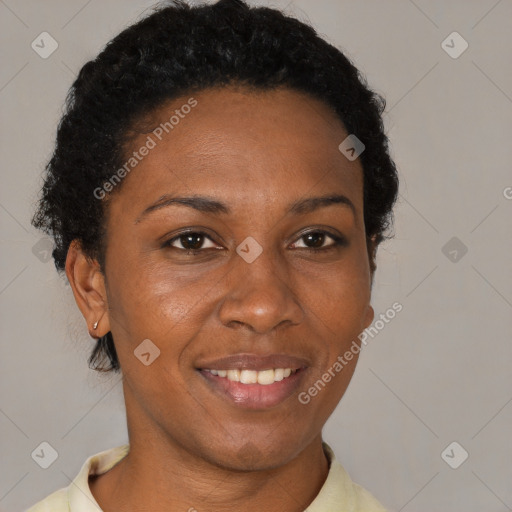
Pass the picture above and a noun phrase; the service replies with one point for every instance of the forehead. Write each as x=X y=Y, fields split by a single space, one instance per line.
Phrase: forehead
x=241 y=145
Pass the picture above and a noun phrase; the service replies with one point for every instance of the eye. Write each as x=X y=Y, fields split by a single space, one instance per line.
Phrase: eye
x=190 y=242
x=315 y=240
x=195 y=242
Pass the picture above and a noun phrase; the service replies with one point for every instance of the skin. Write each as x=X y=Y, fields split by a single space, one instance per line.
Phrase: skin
x=257 y=152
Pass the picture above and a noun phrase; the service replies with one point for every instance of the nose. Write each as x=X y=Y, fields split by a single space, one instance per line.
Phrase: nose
x=260 y=296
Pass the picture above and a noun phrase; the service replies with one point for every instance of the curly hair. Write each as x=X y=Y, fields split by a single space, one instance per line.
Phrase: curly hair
x=175 y=50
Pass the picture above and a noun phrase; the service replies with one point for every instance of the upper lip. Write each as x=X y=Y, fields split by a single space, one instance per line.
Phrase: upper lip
x=254 y=362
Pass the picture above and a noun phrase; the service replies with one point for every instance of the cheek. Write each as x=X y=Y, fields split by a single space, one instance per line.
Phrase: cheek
x=338 y=309
x=147 y=295
x=160 y=305
x=153 y=314
x=341 y=296
x=339 y=305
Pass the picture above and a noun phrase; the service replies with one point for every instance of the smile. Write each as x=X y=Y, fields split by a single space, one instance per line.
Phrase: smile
x=263 y=377
x=252 y=389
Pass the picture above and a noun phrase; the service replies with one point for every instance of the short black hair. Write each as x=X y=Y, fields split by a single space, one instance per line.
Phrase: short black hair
x=178 y=49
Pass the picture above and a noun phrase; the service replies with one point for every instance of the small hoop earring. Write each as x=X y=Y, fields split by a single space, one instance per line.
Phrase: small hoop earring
x=95 y=325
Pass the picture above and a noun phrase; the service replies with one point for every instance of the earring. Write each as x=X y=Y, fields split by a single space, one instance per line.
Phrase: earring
x=95 y=325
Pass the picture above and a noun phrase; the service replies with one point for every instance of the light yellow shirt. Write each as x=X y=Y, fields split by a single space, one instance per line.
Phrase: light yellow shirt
x=338 y=494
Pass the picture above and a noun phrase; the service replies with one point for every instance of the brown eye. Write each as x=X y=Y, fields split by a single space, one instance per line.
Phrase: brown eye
x=316 y=240
x=191 y=241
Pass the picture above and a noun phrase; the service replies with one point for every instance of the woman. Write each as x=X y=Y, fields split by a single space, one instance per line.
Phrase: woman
x=219 y=187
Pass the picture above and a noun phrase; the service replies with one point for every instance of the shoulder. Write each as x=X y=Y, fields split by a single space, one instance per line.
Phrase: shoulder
x=366 y=502
x=77 y=496
x=55 y=502
x=340 y=493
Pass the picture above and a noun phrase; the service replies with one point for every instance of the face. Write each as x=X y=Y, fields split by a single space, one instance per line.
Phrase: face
x=249 y=273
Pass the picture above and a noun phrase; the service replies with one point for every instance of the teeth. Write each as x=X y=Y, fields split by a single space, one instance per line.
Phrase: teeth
x=263 y=377
x=234 y=375
x=266 y=377
x=278 y=374
x=248 y=377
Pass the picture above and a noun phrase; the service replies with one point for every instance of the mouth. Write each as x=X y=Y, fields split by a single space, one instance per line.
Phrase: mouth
x=262 y=377
x=254 y=382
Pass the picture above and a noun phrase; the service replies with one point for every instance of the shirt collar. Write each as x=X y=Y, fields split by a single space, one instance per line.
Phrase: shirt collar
x=337 y=493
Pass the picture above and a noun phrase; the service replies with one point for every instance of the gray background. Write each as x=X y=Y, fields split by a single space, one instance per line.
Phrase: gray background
x=438 y=372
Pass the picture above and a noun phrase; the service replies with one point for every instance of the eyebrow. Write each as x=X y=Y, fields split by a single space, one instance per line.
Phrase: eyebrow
x=209 y=205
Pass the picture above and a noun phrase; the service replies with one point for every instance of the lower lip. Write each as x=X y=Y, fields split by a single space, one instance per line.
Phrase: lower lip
x=254 y=396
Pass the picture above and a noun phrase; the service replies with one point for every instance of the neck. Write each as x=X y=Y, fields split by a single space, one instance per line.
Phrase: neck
x=161 y=476
x=160 y=473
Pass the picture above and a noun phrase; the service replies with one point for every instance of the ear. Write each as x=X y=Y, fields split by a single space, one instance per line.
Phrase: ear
x=371 y=245
x=370 y=315
x=88 y=285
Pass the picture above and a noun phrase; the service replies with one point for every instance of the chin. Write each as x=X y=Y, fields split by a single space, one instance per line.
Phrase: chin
x=253 y=454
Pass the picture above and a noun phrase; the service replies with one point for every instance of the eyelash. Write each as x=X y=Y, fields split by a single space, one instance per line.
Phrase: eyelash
x=338 y=242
